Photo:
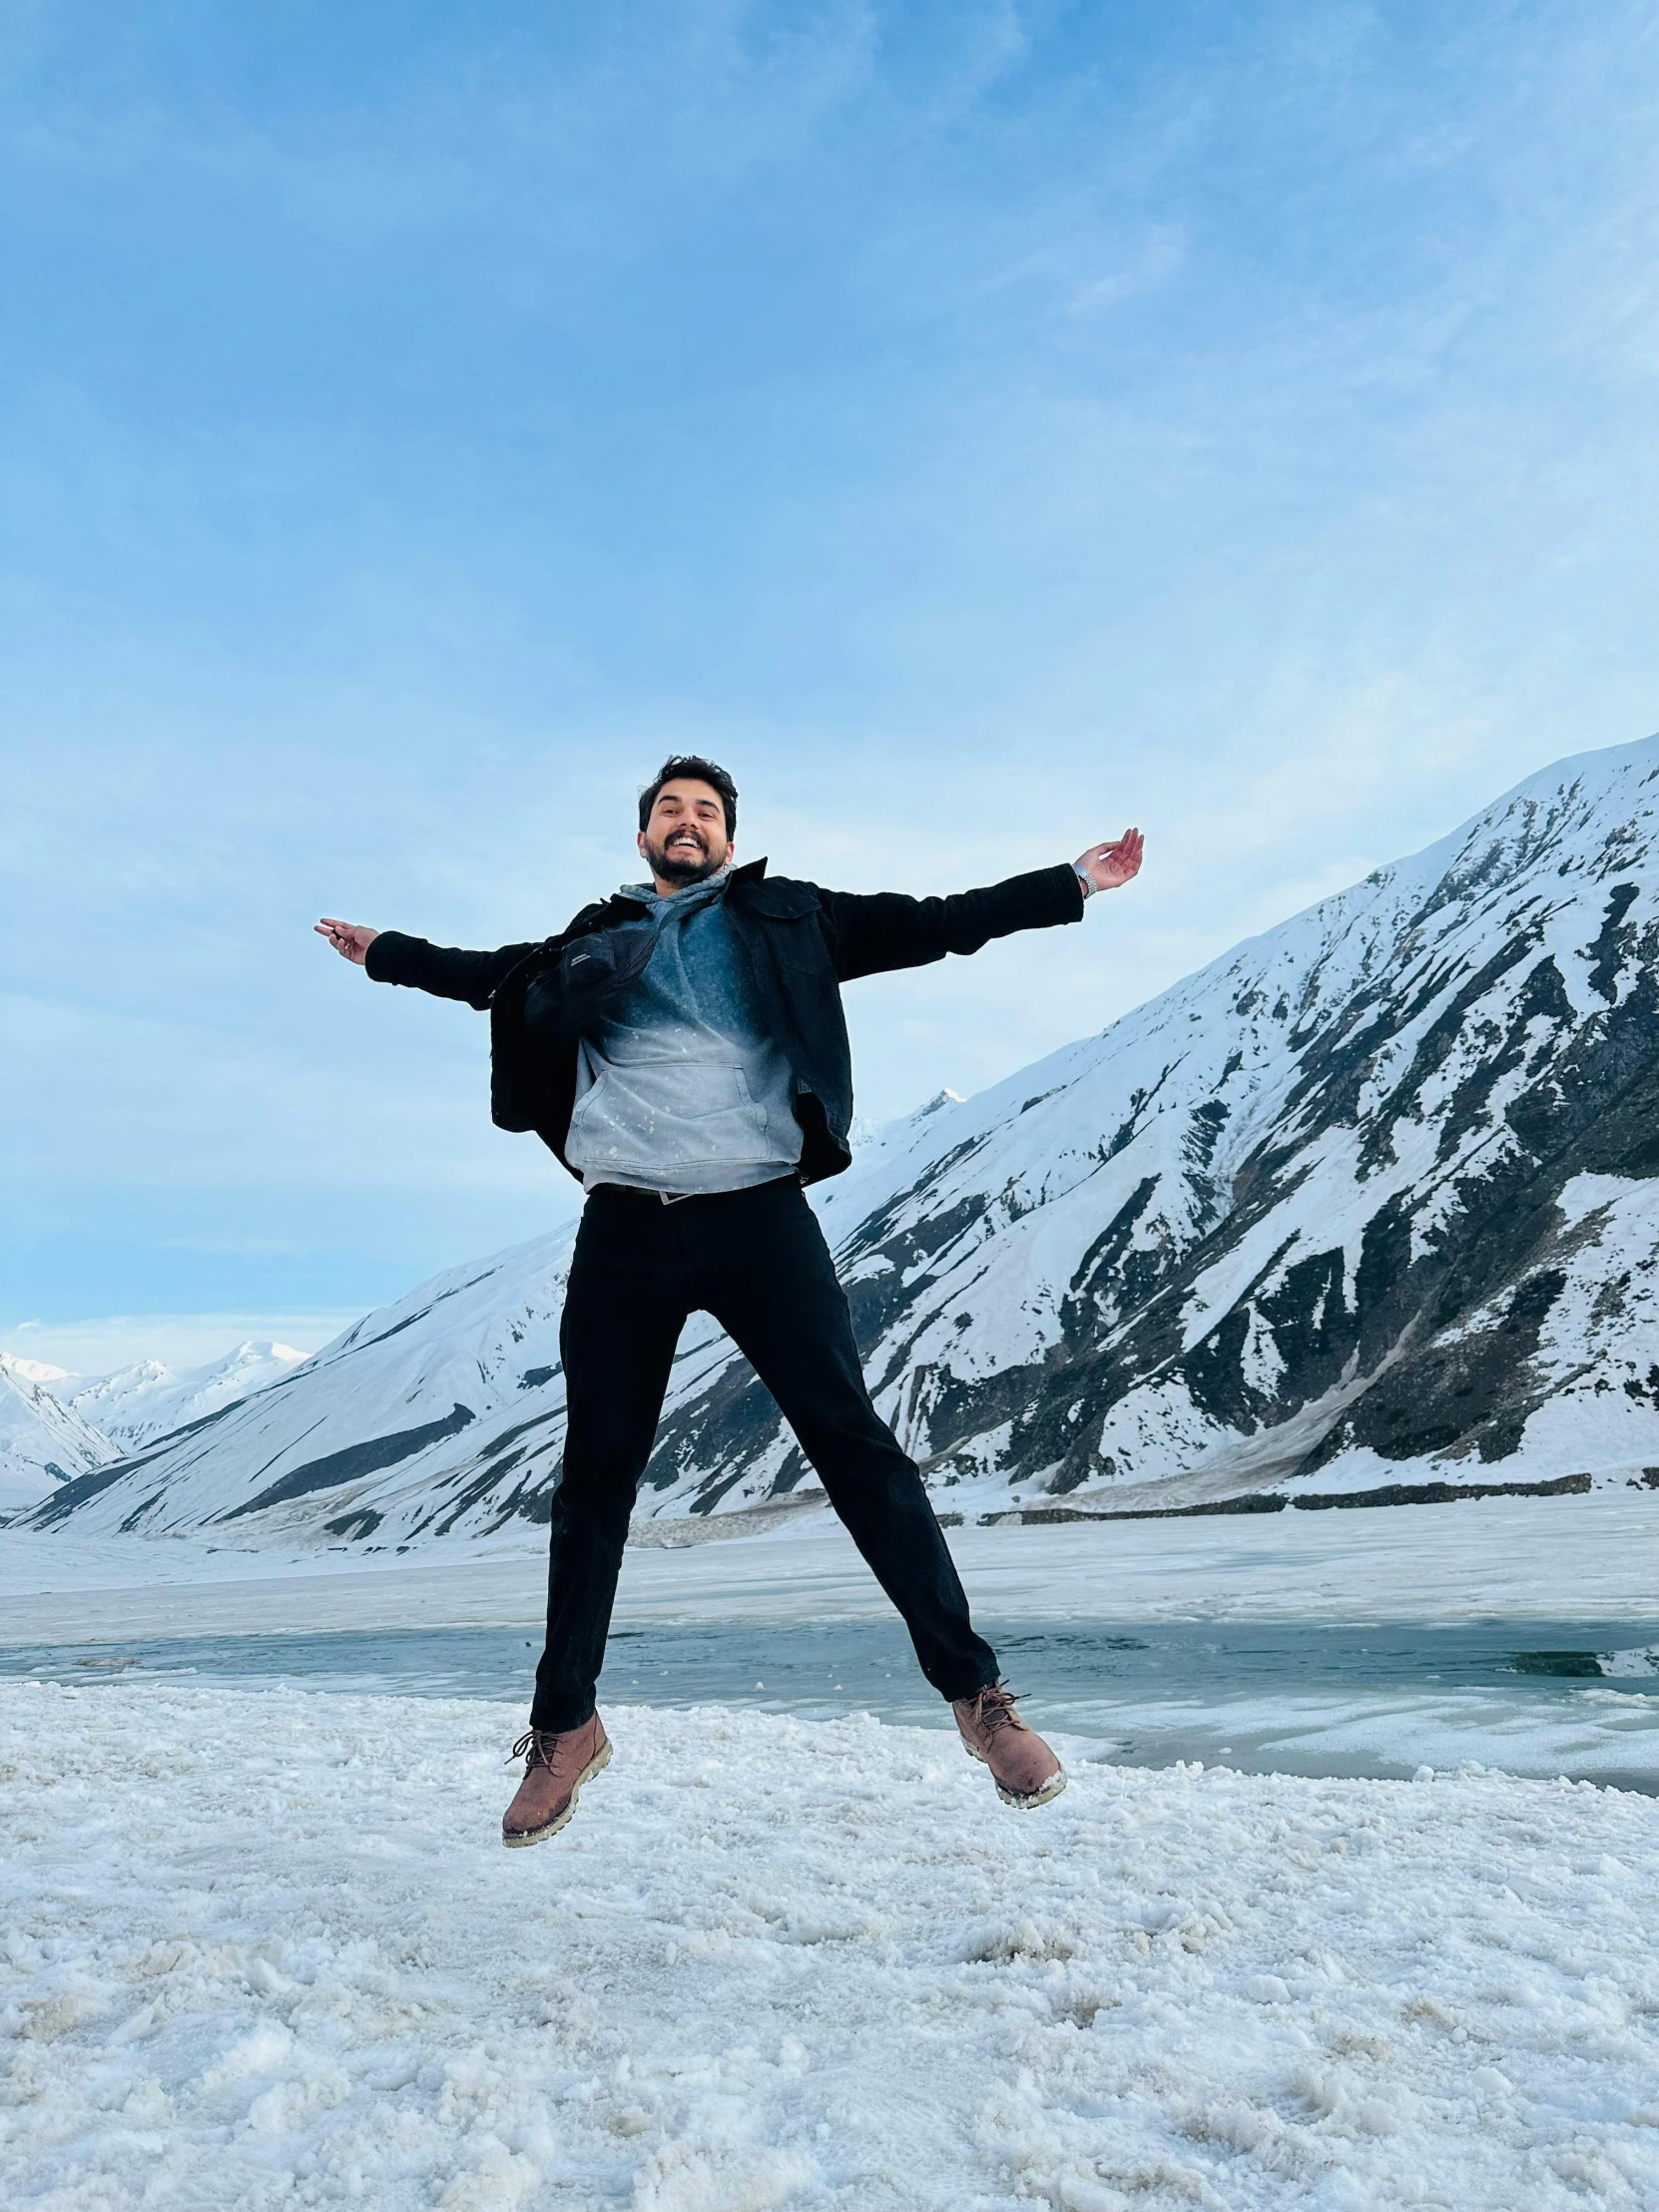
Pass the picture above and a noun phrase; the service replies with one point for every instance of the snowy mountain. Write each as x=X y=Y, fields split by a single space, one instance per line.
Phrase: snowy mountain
x=35 y=1370
x=1369 y=1204
x=148 y=1399
x=42 y=1443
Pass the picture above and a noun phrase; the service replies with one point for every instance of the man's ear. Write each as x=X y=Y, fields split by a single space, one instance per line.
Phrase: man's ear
x=639 y=844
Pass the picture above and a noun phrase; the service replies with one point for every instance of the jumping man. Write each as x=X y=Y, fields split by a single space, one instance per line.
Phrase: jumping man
x=681 y=1049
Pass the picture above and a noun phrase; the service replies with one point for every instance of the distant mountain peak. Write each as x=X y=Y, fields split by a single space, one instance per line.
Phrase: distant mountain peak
x=148 y=1398
x=43 y=1443
x=32 y=1371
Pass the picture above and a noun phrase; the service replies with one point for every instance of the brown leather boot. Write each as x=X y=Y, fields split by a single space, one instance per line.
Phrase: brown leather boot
x=1025 y=1771
x=556 y=1764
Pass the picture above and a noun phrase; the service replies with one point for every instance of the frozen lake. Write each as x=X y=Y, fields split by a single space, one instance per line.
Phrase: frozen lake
x=1321 y=1644
x=1339 y=1699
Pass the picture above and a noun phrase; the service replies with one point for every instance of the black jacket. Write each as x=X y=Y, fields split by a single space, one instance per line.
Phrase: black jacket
x=805 y=944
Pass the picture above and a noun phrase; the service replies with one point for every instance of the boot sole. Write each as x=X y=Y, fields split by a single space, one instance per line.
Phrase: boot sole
x=560 y=1818
x=1027 y=1801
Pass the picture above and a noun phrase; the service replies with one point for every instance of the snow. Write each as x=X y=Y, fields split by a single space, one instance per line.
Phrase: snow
x=55 y=1426
x=34 y=1370
x=42 y=1443
x=265 y=1950
x=148 y=1399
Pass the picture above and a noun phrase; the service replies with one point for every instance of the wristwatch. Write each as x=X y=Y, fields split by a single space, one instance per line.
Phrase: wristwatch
x=1083 y=876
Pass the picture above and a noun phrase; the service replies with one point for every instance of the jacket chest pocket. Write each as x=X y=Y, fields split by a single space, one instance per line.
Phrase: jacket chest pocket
x=798 y=942
x=786 y=921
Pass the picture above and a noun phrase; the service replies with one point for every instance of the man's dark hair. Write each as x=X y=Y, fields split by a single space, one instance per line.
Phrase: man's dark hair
x=703 y=772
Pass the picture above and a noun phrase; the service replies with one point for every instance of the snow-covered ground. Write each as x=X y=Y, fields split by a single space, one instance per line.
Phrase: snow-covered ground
x=1564 y=1559
x=265 y=1950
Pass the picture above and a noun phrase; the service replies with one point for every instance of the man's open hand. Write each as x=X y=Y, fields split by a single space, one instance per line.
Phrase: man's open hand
x=348 y=938
x=1108 y=865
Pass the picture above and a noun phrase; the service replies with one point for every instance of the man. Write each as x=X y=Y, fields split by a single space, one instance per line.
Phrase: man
x=681 y=1048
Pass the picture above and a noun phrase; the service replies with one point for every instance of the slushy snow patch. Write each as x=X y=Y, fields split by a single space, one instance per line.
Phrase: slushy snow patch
x=265 y=1949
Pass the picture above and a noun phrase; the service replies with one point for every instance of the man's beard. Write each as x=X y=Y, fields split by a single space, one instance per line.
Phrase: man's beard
x=680 y=867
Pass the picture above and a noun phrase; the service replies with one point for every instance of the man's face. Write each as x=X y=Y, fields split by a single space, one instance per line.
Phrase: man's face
x=685 y=841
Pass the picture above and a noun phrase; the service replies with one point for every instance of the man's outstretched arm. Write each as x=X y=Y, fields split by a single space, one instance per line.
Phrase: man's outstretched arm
x=874 y=931
x=444 y=970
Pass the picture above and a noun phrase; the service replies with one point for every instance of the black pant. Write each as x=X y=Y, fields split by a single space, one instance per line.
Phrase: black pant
x=758 y=1262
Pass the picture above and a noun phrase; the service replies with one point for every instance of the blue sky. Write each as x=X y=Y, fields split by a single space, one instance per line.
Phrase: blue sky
x=978 y=425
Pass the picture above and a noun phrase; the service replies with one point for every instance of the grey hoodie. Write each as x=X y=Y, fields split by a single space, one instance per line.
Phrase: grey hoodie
x=682 y=1089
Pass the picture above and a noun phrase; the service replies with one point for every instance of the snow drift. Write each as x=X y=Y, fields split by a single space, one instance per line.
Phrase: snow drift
x=811 y=1965
x=1366 y=1208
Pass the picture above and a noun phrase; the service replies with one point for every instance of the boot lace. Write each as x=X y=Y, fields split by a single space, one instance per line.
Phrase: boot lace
x=993 y=1708
x=537 y=1744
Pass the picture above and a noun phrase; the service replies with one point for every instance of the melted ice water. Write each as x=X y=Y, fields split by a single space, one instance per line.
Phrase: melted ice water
x=1381 y=1700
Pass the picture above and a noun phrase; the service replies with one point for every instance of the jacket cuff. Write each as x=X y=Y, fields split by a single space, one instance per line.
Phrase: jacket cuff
x=1069 y=897
x=391 y=957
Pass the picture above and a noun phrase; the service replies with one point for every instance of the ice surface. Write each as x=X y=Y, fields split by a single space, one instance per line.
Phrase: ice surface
x=1363 y=1699
x=265 y=1950
x=1585 y=1559
x=1552 y=1561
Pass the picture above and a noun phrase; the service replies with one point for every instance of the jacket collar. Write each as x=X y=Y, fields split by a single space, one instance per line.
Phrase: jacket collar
x=750 y=873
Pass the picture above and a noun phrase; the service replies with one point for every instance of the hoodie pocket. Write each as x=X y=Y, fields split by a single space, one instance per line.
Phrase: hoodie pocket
x=648 y=1116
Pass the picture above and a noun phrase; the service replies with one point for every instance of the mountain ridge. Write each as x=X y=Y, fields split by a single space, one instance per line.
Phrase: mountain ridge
x=1369 y=1203
x=43 y=1443
x=148 y=1400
